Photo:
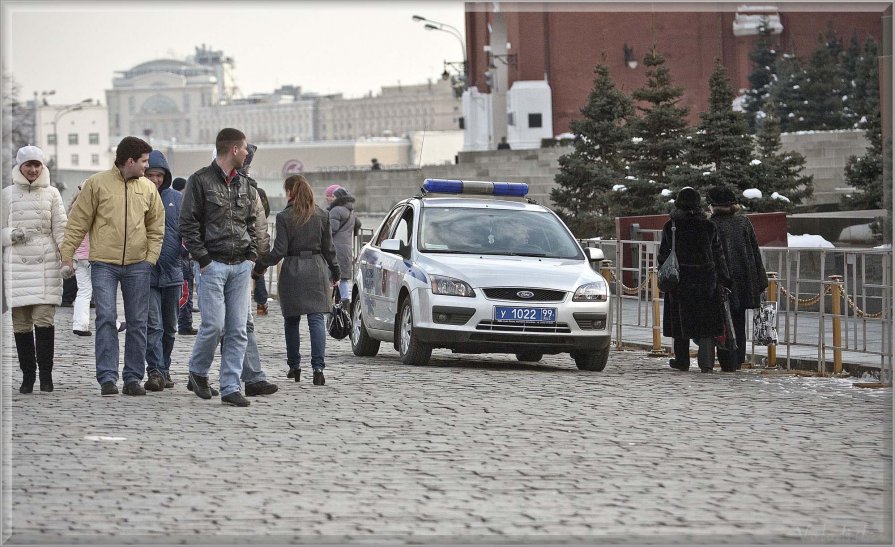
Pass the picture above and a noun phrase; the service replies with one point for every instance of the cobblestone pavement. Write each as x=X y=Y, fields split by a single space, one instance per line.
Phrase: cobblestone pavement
x=471 y=449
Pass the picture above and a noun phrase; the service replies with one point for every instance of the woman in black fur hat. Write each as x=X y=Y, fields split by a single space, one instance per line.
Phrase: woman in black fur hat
x=694 y=309
x=744 y=262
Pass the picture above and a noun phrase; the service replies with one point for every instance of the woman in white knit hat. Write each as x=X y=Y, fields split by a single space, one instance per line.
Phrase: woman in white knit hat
x=32 y=225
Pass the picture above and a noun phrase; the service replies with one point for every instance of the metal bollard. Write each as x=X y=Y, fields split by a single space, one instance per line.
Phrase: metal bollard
x=835 y=285
x=606 y=269
x=657 y=350
x=772 y=297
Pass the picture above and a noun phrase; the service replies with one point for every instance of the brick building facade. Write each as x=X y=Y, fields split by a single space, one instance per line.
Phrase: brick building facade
x=562 y=42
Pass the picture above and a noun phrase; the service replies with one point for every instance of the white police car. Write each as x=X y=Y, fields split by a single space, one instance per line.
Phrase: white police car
x=494 y=273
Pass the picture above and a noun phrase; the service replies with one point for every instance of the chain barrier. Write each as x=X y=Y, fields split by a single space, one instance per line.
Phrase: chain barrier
x=861 y=313
x=625 y=288
x=812 y=300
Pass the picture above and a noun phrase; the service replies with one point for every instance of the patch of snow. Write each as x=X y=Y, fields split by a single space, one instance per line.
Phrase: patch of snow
x=794 y=87
x=636 y=140
x=706 y=173
x=885 y=246
x=761 y=115
x=666 y=192
x=619 y=188
x=780 y=197
x=845 y=97
x=630 y=177
x=562 y=136
x=754 y=162
x=752 y=193
x=808 y=241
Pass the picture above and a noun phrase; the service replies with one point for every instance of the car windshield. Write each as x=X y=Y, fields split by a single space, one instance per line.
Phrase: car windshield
x=490 y=231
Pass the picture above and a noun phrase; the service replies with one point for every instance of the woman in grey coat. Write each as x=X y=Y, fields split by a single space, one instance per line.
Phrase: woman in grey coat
x=344 y=224
x=308 y=275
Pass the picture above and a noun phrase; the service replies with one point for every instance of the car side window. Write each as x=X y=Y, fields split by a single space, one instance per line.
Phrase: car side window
x=404 y=229
x=387 y=226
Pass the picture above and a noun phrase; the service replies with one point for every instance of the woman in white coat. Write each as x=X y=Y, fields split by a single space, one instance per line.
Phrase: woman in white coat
x=32 y=225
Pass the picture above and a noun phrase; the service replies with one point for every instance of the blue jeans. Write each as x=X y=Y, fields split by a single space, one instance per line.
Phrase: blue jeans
x=134 y=281
x=251 y=365
x=224 y=299
x=162 y=325
x=317 y=329
x=260 y=291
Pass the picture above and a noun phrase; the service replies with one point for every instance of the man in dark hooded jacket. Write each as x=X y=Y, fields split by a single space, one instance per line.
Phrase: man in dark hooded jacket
x=166 y=282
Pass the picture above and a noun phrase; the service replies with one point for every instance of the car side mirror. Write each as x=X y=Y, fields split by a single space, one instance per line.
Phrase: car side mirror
x=594 y=254
x=395 y=246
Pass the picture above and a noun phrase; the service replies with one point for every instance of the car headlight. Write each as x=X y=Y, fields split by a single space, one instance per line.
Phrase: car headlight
x=450 y=286
x=592 y=292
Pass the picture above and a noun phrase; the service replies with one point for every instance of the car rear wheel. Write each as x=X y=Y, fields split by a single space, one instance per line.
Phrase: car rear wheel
x=529 y=356
x=361 y=343
x=411 y=350
x=591 y=361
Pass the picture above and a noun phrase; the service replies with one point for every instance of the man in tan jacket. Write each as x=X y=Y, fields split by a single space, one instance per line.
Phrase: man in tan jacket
x=122 y=212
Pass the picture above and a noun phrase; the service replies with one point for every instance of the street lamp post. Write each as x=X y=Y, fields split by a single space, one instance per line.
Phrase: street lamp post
x=444 y=27
x=65 y=110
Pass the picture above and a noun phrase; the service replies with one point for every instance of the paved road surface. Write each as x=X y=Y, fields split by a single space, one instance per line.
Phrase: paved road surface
x=467 y=450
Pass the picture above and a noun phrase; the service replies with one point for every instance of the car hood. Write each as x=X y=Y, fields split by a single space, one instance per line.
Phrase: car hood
x=510 y=271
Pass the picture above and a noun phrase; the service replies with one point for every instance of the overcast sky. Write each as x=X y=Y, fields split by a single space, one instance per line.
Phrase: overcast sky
x=351 y=47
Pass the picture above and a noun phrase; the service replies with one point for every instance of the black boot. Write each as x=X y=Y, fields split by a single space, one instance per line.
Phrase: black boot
x=44 y=341
x=25 y=349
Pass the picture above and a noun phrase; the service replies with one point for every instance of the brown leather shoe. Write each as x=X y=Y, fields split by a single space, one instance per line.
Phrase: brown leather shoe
x=261 y=309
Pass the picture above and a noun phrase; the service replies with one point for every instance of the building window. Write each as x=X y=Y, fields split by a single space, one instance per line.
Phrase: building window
x=131 y=105
x=74 y=160
x=72 y=138
x=51 y=138
x=186 y=102
x=94 y=159
x=511 y=118
x=534 y=120
x=94 y=138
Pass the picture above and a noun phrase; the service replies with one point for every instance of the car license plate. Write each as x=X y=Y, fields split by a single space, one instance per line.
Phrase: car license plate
x=513 y=314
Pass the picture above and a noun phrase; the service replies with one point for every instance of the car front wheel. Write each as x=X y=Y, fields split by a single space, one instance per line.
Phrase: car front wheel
x=411 y=350
x=361 y=343
x=591 y=361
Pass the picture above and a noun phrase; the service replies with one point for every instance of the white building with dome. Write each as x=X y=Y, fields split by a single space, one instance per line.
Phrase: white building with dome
x=163 y=98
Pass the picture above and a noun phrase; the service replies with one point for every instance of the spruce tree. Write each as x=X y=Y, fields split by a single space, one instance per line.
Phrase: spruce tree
x=763 y=75
x=848 y=69
x=587 y=174
x=787 y=92
x=865 y=88
x=822 y=107
x=776 y=171
x=659 y=137
x=721 y=145
x=865 y=173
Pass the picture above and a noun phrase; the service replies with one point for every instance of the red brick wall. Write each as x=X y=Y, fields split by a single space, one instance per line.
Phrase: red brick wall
x=566 y=45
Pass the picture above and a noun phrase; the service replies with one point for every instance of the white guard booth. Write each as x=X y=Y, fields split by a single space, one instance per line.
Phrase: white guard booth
x=529 y=114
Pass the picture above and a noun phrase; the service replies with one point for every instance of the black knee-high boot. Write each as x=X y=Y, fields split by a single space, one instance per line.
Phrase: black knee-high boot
x=25 y=349
x=44 y=341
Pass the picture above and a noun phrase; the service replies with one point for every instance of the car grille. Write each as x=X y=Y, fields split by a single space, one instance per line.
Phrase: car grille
x=493 y=326
x=540 y=295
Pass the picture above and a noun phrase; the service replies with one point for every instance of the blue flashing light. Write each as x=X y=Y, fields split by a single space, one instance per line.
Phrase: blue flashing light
x=448 y=186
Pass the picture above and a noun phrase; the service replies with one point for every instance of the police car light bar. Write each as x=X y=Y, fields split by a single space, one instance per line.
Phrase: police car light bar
x=447 y=186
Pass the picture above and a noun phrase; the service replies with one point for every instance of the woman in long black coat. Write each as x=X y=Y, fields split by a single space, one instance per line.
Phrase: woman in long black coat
x=694 y=310
x=309 y=273
x=744 y=262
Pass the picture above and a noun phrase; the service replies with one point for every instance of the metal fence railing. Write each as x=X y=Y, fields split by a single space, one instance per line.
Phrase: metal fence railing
x=833 y=303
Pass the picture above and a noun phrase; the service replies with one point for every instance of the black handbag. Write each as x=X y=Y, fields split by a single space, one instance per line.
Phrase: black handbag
x=670 y=272
x=338 y=324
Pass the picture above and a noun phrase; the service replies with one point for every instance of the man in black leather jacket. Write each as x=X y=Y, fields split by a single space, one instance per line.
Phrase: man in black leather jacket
x=217 y=222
